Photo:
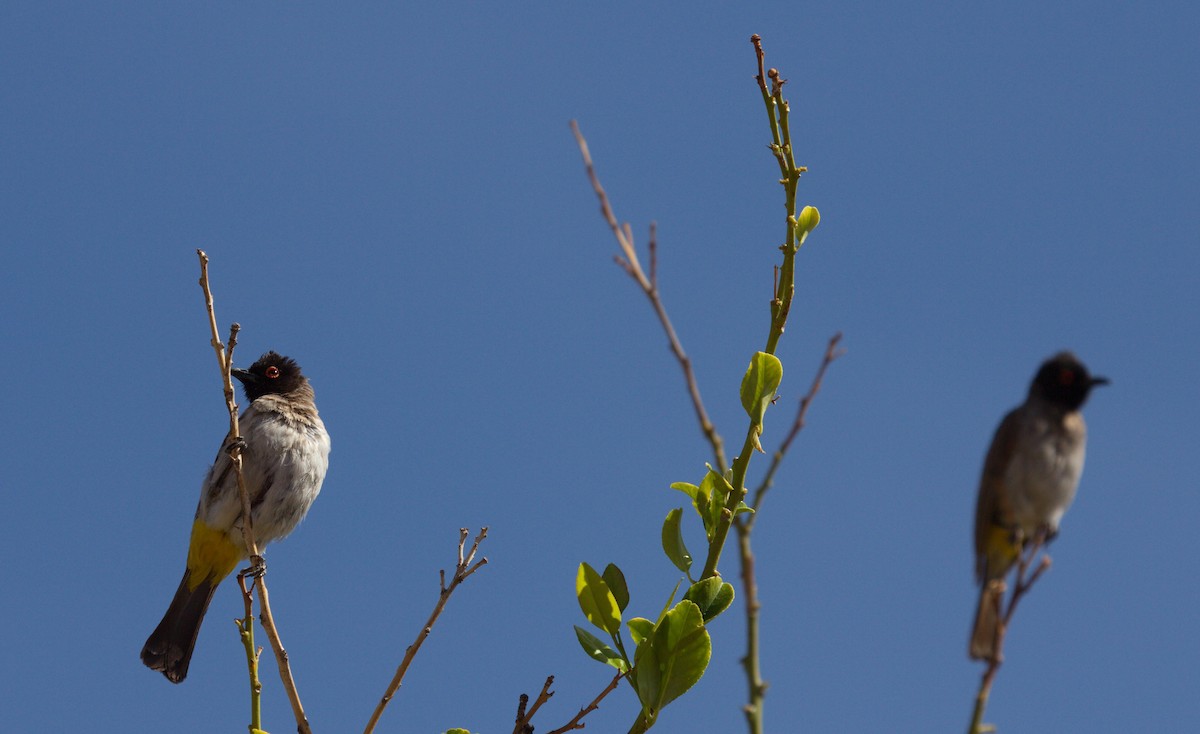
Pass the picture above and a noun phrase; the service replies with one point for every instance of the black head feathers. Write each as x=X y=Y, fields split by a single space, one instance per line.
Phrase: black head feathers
x=1063 y=381
x=272 y=374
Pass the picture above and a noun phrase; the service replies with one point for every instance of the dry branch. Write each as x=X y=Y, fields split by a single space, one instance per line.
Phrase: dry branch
x=233 y=446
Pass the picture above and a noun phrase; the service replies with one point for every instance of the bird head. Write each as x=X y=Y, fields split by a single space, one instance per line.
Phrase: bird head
x=272 y=374
x=1062 y=380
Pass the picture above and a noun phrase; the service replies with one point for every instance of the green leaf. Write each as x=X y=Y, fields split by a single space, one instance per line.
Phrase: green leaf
x=759 y=385
x=456 y=731
x=597 y=600
x=712 y=596
x=648 y=684
x=700 y=499
x=673 y=660
x=640 y=629
x=807 y=221
x=689 y=648
x=717 y=489
x=670 y=600
x=672 y=541
x=743 y=508
x=597 y=650
x=689 y=489
x=616 y=584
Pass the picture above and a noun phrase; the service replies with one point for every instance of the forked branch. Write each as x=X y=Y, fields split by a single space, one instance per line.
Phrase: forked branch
x=1021 y=586
x=466 y=566
x=649 y=285
x=233 y=446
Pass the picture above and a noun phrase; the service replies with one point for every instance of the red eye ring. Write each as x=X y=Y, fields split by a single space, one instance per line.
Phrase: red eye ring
x=272 y=372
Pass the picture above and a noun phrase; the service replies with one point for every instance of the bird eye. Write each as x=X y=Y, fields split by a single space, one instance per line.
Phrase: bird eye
x=1066 y=377
x=272 y=372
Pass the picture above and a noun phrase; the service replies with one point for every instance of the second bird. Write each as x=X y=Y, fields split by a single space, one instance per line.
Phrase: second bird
x=284 y=461
x=1029 y=479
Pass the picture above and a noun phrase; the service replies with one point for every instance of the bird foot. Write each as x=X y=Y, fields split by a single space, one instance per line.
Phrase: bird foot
x=257 y=568
x=237 y=443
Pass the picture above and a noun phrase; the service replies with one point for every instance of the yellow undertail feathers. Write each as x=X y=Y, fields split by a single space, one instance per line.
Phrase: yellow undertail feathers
x=212 y=555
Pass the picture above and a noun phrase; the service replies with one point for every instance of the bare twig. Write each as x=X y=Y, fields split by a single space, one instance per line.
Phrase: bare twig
x=233 y=447
x=629 y=262
x=233 y=444
x=466 y=566
x=653 y=247
x=1021 y=586
x=523 y=718
x=577 y=721
x=750 y=661
x=769 y=103
x=520 y=727
x=281 y=658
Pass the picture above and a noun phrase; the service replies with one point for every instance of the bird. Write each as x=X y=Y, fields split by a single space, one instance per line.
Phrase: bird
x=285 y=456
x=1030 y=475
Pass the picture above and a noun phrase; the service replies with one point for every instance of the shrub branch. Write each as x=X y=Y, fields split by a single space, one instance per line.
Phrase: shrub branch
x=1021 y=586
x=233 y=446
x=466 y=566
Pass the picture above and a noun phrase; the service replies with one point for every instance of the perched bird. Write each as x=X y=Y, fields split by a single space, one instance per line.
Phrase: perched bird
x=284 y=459
x=1029 y=479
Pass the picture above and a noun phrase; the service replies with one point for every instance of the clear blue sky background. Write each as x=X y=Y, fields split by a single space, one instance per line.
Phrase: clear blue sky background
x=390 y=193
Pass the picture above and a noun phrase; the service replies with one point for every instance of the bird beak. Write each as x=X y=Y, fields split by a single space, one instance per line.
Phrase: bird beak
x=247 y=377
x=1099 y=381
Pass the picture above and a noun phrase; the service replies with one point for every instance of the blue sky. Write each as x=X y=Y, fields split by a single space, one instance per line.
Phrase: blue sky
x=390 y=194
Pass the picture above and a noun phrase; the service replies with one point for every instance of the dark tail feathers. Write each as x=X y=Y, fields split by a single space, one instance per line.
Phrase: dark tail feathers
x=169 y=648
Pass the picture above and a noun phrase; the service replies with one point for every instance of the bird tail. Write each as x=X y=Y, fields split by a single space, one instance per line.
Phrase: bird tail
x=987 y=621
x=169 y=648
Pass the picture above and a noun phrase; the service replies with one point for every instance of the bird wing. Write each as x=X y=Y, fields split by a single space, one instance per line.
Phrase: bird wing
x=993 y=510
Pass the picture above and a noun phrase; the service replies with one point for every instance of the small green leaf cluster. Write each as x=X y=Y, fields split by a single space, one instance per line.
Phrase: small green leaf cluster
x=709 y=500
x=670 y=654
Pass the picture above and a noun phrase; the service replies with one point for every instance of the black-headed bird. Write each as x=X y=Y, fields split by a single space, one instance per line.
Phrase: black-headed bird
x=284 y=459
x=1029 y=478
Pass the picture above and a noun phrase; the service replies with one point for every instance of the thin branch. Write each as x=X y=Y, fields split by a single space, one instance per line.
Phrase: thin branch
x=769 y=102
x=750 y=661
x=281 y=657
x=245 y=627
x=233 y=441
x=832 y=352
x=653 y=247
x=233 y=447
x=520 y=727
x=523 y=718
x=524 y=727
x=623 y=239
x=783 y=289
x=781 y=304
x=744 y=524
x=629 y=262
x=577 y=721
x=466 y=566
x=1023 y=583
